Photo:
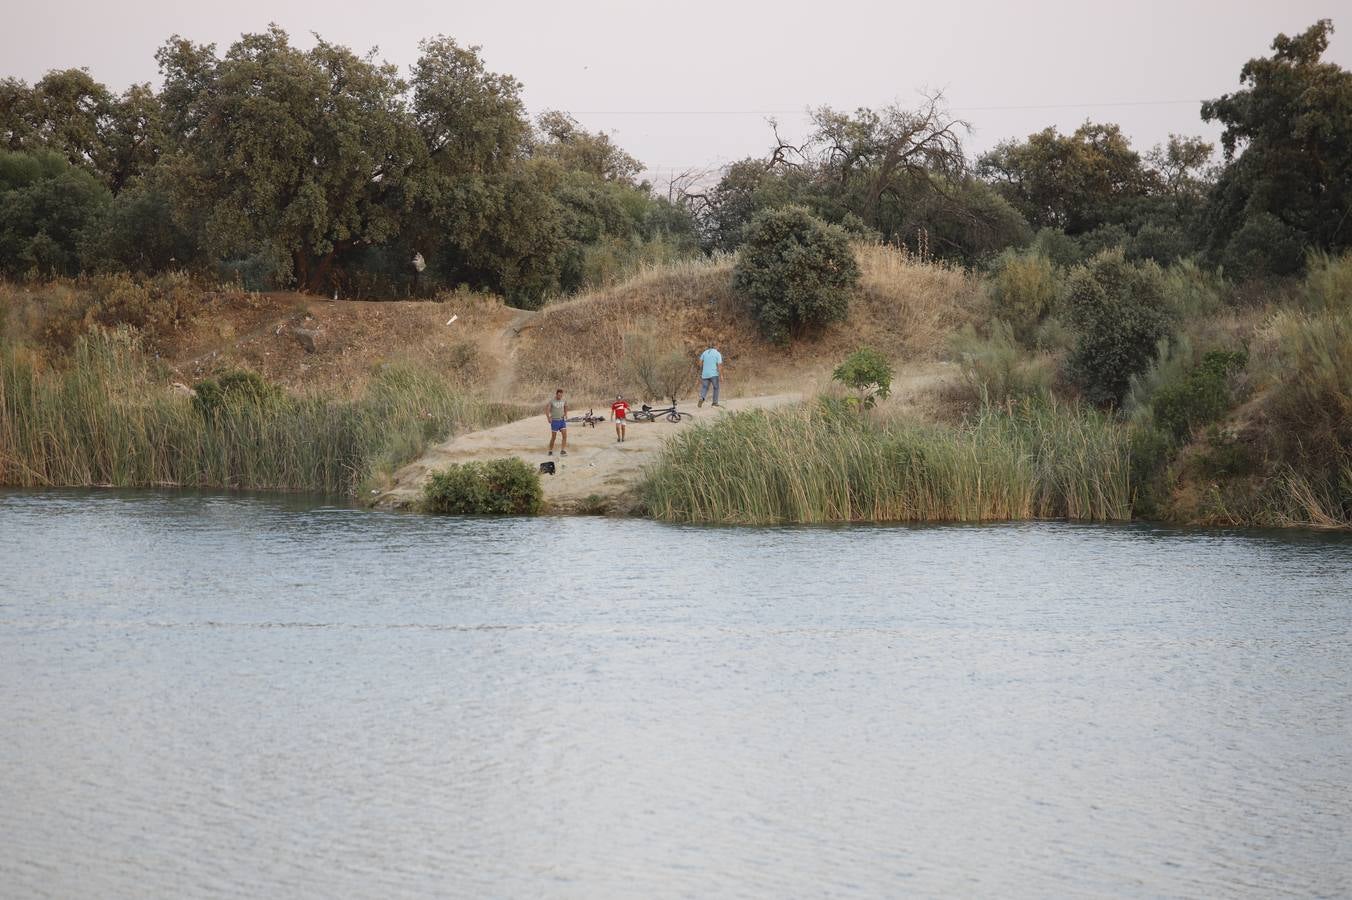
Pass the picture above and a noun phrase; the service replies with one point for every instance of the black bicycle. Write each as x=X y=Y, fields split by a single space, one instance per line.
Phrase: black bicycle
x=587 y=421
x=670 y=413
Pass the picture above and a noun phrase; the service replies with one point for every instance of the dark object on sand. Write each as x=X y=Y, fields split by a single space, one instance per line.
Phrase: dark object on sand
x=547 y=468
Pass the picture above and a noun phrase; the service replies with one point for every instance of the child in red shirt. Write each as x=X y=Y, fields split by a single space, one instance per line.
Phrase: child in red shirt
x=619 y=411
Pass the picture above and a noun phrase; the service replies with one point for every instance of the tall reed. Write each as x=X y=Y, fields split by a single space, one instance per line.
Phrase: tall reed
x=1036 y=459
x=105 y=420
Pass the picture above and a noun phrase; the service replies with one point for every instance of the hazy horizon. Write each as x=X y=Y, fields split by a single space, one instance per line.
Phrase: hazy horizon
x=693 y=90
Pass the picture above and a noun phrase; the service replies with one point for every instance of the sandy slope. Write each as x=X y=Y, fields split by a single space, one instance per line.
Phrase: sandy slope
x=597 y=474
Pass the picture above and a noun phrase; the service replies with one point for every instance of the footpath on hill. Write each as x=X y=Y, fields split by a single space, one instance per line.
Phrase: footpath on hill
x=597 y=475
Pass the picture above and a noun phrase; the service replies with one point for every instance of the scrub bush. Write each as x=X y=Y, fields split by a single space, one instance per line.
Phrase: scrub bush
x=796 y=272
x=154 y=306
x=235 y=387
x=501 y=487
x=1118 y=309
x=996 y=368
x=1201 y=397
x=1024 y=289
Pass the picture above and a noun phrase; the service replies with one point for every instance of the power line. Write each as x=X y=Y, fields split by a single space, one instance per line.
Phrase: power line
x=805 y=111
x=1079 y=105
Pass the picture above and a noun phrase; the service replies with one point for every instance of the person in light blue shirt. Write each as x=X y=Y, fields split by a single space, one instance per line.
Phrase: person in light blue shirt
x=711 y=370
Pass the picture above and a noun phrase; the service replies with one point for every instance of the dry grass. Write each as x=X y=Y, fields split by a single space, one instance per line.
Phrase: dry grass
x=908 y=307
x=579 y=343
x=904 y=308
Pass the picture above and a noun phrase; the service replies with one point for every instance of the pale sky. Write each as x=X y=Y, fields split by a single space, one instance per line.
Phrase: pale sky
x=690 y=84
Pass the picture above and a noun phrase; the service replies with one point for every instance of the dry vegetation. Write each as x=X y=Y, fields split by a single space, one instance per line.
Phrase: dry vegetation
x=905 y=308
x=299 y=341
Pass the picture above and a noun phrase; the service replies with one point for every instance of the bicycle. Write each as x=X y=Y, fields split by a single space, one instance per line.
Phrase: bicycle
x=670 y=413
x=587 y=421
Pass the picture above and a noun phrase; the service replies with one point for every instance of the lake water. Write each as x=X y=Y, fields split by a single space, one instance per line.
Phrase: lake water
x=261 y=697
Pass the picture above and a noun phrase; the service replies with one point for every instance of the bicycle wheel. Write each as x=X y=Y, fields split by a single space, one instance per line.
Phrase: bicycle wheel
x=642 y=416
x=674 y=416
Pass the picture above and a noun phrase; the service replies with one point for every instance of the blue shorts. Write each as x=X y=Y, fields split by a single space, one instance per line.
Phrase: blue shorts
x=558 y=424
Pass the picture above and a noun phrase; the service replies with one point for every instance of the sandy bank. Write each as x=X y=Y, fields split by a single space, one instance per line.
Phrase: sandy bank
x=597 y=474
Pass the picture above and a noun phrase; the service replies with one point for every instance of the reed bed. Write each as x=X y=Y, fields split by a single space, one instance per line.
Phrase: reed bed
x=105 y=420
x=1030 y=460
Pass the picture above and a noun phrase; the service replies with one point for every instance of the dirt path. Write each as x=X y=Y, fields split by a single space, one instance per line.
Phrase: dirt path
x=597 y=474
x=504 y=347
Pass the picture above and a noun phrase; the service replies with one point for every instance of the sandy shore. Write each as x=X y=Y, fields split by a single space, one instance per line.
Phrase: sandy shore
x=597 y=474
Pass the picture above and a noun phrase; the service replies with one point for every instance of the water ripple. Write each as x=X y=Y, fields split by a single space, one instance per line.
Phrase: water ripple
x=232 y=695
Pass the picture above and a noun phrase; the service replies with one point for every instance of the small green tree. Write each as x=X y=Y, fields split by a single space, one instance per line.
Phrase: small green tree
x=867 y=372
x=796 y=271
x=1118 y=309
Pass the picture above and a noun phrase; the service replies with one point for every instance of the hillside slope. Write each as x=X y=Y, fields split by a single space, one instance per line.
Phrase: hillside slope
x=904 y=308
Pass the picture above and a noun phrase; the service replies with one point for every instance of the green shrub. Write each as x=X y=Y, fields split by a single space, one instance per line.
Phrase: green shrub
x=1161 y=242
x=1119 y=311
x=796 y=272
x=867 y=372
x=501 y=487
x=1059 y=247
x=1201 y=397
x=1024 y=289
x=139 y=232
x=997 y=368
x=46 y=204
x=236 y=387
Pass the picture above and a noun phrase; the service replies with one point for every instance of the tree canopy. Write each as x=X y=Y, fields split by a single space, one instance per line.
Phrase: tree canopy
x=1287 y=182
x=328 y=170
